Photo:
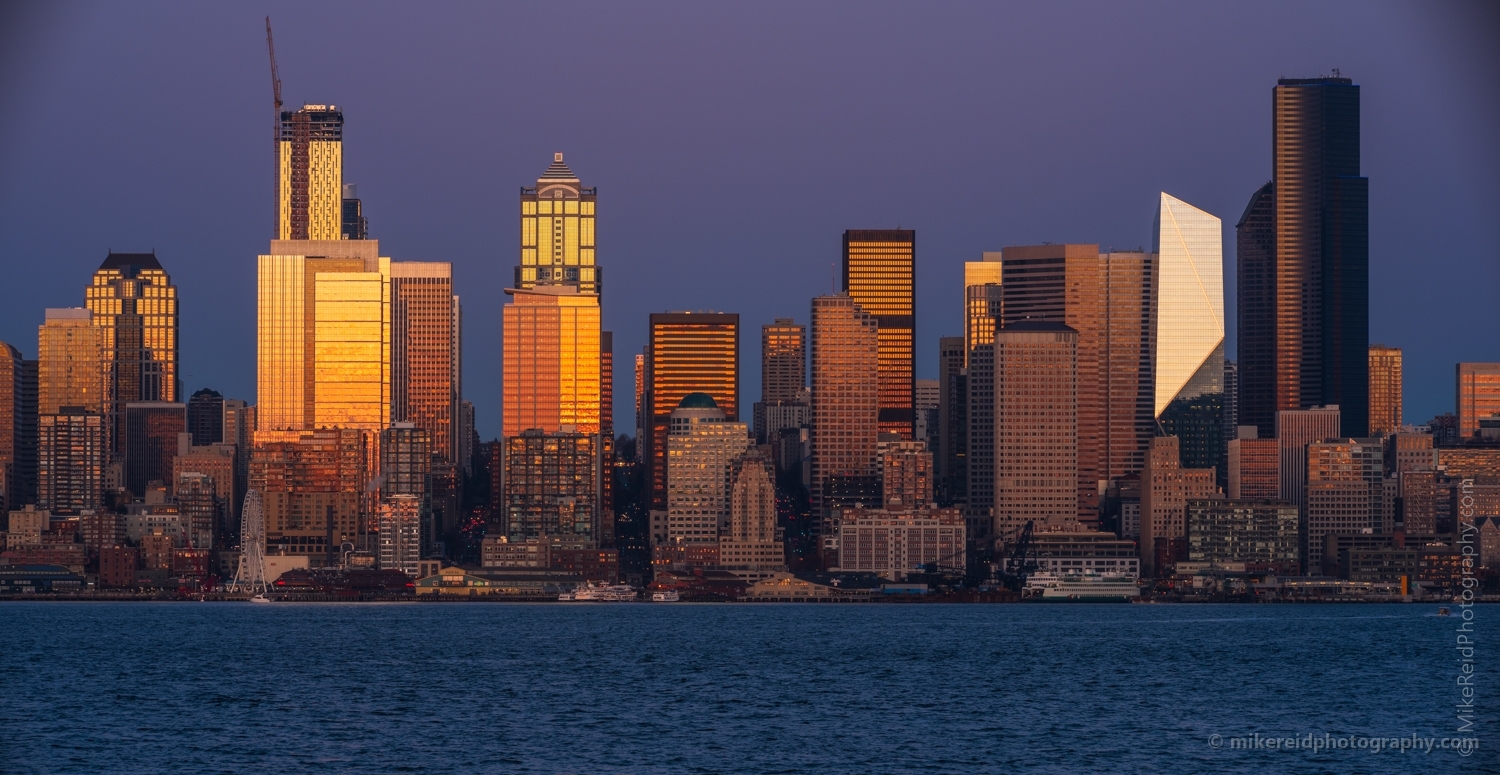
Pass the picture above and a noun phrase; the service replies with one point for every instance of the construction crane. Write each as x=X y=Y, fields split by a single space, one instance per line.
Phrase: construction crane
x=275 y=135
x=1020 y=564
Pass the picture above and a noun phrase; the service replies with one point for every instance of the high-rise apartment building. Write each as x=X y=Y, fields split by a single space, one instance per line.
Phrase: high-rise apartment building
x=1037 y=444
x=783 y=371
x=928 y=392
x=845 y=401
x=702 y=445
x=551 y=486
x=1166 y=488
x=406 y=471
x=1303 y=257
x=880 y=277
x=1478 y=395
x=1295 y=429
x=134 y=304
x=150 y=443
x=1189 y=345
x=400 y=519
x=552 y=361
x=1385 y=389
x=1126 y=362
x=557 y=232
x=1062 y=284
x=316 y=491
x=71 y=363
x=425 y=366
x=1254 y=466
x=906 y=475
x=71 y=454
x=310 y=186
x=1345 y=492
x=324 y=336
x=687 y=352
x=205 y=417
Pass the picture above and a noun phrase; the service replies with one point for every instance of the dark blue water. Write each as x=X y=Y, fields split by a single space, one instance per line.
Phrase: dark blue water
x=465 y=688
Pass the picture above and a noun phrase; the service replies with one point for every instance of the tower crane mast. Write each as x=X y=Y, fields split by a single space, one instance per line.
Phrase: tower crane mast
x=275 y=134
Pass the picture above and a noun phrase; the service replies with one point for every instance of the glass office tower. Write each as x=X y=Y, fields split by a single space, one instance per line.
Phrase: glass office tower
x=880 y=276
x=1189 y=364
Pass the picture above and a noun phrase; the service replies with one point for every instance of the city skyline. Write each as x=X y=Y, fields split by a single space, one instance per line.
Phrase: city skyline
x=774 y=269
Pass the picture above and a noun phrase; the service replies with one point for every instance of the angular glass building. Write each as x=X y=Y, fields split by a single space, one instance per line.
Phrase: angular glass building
x=1189 y=366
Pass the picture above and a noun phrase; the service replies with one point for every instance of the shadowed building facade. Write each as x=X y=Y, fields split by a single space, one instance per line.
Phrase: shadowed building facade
x=880 y=276
x=1304 y=263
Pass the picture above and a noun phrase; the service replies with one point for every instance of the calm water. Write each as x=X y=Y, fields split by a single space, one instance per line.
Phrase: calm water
x=465 y=688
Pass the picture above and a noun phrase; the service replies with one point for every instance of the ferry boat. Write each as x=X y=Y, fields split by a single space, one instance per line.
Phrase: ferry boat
x=665 y=596
x=1086 y=587
x=599 y=593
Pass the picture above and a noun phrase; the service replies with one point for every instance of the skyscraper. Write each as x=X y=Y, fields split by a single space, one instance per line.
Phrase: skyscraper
x=687 y=352
x=71 y=362
x=1190 y=331
x=324 y=336
x=1304 y=249
x=134 y=304
x=1345 y=492
x=150 y=443
x=1036 y=433
x=552 y=486
x=425 y=369
x=748 y=548
x=557 y=232
x=880 y=276
x=953 y=421
x=12 y=424
x=1126 y=362
x=982 y=300
x=1254 y=466
x=551 y=361
x=702 y=446
x=1478 y=395
x=783 y=371
x=1385 y=389
x=311 y=184
x=845 y=401
x=1295 y=429
x=205 y=417
x=355 y=225
x=1062 y=283
x=71 y=454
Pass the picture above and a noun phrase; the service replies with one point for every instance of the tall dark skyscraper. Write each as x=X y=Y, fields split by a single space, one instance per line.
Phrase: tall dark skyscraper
x=880 y=276
x=1304 y=263
x=205 y=417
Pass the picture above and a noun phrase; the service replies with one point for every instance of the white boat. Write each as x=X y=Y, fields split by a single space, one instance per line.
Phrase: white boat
x=599 y=593
x=1086 y=586
x=261 y=598
x=666 y=596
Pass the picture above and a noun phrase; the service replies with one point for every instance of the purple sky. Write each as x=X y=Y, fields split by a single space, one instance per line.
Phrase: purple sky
x=732 y=145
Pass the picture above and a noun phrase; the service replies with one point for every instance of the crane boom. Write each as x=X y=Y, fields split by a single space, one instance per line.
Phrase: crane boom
x=275 y=135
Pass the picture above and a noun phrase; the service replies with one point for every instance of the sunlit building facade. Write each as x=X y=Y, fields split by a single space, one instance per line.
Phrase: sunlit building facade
x=1478 y=395
x=557 y=232
x=134 y=304
x=324 y=336
x=552 y=361
x=1385 y=389
x=310 y=187
x=71 y=365
x=315 y=489
x=1189 y=342
x=1126 y=362
x=702 y=445
x=425 y=366
x=845 y=401
x=688 y=352
x=880 y=276
x=1036 y=427
x=982 y=301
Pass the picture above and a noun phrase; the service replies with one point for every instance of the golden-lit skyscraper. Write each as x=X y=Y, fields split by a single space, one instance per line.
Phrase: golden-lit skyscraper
x=551 y=361
x=1385 y=389
x=845 y=403
x=1189 y=334
x=1477 y=395
x=982 y=301
x=783 y=360
x=880 y=276
x=425 y=368
x=688 y=352
x=134 y=304
x=311 y=184
x=557 y=232
x=324 y=336
x=71 y=365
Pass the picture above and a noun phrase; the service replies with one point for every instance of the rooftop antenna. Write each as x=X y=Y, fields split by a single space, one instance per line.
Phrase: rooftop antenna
x=275 y=133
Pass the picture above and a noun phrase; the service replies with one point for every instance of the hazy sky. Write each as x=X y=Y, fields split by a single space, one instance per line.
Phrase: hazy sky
x=732 y=144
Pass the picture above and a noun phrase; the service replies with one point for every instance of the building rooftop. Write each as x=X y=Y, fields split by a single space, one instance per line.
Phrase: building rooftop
x=698 y=401
x=558 y=170
x=130 y=263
